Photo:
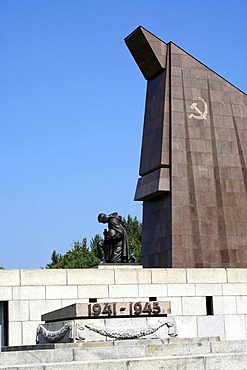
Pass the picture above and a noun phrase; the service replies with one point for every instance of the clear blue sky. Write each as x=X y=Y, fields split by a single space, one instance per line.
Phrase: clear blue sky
x=71 y=109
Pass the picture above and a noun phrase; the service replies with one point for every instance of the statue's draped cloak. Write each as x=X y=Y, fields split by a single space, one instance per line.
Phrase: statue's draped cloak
x=115 y=223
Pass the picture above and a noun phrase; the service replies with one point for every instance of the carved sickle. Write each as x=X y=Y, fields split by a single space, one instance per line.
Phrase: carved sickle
x=202 y=115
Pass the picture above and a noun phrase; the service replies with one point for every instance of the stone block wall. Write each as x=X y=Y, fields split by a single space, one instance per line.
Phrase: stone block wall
x=31 y=293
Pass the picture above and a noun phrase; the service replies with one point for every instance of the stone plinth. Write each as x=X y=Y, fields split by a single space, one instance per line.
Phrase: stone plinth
x=106 y=330
x=107 y=321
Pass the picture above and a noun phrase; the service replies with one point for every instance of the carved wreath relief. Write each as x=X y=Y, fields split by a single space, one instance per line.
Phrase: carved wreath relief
x=78 y=333
x=146 y=329
x=52 y=336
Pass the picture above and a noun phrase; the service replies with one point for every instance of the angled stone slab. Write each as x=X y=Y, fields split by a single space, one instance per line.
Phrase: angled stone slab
x=148 y=51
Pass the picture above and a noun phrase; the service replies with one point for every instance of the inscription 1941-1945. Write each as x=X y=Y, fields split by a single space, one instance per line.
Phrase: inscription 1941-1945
x=128 y=309
x=109 y=309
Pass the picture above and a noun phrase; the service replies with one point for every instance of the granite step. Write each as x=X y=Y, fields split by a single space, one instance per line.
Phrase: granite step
x=177 y=354
x=200 y=362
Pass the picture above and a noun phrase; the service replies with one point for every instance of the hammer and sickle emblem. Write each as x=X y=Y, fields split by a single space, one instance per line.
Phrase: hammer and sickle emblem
x=202 y=115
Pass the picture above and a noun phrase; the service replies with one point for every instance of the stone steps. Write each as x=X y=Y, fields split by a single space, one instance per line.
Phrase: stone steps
x=213 y=362
x=193 y=354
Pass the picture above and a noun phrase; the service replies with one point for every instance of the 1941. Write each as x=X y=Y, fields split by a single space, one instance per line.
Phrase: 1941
x=124 y=309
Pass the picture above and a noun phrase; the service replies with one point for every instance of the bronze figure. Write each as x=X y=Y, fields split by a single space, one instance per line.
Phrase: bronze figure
x=115 y=246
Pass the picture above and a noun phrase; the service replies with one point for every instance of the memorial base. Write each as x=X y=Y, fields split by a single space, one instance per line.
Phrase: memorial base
x=106 y=329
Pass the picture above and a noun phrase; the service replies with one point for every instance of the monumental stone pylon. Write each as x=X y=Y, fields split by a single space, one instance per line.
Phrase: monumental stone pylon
x=193 y=167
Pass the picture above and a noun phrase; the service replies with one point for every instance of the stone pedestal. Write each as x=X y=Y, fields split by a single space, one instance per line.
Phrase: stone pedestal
x=106 y=330
x=107 y=321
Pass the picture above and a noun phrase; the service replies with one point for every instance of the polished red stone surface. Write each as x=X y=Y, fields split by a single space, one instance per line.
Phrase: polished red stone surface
x=197 y=217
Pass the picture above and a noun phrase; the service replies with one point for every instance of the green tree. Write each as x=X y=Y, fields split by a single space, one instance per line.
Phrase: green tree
x=81 y=256
x=134 y=230
x=55 y=259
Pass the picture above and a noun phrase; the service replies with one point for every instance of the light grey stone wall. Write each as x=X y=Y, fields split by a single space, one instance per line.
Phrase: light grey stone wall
x=31 y=293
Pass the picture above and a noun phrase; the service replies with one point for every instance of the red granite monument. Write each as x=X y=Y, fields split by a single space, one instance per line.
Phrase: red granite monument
x=193 y=167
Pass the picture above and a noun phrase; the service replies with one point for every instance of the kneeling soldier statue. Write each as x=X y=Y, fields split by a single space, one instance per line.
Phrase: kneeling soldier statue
x=115 y=246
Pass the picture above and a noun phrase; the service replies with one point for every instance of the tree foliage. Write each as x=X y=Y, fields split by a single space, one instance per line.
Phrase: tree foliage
x=134 y=230
x=79 y=256
x=82 y=256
